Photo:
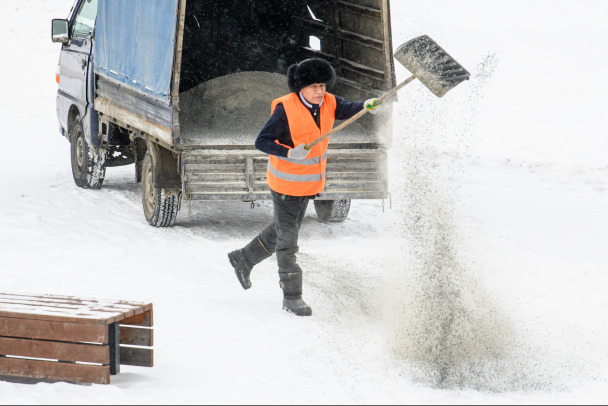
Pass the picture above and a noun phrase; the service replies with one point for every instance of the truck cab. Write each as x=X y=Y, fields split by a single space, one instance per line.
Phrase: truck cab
x=78 y=120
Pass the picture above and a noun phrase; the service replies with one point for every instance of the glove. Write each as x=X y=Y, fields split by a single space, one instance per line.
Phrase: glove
x=373 y=106
x=298 y=152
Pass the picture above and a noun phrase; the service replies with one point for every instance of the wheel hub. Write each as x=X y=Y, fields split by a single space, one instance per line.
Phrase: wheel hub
x=80 y=152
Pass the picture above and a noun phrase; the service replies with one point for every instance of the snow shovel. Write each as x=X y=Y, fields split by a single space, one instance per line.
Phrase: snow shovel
x=427 y=62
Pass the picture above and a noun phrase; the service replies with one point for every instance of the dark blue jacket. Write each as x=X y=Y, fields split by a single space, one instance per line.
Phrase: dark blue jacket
x=277 y=127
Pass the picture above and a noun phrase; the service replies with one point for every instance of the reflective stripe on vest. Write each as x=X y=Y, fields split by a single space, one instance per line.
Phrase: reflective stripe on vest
x=304 y=177
x=295 y=178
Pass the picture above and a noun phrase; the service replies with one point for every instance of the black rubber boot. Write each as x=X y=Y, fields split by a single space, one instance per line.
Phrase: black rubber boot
x=296 y=306
x=291 y=283
x=244 y=259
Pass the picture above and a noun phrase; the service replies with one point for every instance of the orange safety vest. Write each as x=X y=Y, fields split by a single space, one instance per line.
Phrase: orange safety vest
x=302 y=177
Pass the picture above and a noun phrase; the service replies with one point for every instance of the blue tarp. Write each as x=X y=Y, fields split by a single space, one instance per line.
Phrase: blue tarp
x=134 y=44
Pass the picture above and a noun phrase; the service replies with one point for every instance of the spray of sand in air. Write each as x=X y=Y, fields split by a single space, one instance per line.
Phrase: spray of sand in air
x=440 y=318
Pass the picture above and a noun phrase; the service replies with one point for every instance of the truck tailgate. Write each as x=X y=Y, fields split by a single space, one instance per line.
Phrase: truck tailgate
x=229 y=174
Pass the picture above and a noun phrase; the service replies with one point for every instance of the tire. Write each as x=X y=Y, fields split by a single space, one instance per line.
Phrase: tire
x=160 y=206
x=88 y=162
x=332 y=211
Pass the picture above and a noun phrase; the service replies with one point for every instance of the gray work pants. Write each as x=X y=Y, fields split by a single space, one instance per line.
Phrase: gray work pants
x=281 y=237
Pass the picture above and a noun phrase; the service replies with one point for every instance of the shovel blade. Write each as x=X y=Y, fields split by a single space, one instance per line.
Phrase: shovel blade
x=434 y=67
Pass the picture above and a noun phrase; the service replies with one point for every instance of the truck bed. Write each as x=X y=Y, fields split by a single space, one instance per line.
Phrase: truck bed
x=220 y=120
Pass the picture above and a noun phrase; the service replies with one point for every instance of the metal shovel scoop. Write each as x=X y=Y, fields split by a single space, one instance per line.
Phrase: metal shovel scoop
x=427 y=62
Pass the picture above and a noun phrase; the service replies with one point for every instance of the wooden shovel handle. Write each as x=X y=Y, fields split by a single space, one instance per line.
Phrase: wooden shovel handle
x=359 y=114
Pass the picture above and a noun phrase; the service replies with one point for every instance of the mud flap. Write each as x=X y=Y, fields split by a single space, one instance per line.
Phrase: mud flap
x=165 y=172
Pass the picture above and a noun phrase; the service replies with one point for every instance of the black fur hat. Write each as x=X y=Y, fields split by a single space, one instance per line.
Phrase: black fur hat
x=309 y=72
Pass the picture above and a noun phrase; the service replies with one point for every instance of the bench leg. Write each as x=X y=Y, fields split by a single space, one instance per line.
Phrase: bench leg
x=114 y=341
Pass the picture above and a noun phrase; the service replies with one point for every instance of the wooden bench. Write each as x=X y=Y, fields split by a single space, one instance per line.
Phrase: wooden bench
x=59 y=338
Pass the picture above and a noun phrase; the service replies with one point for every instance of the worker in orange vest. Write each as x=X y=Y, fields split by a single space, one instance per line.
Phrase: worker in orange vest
x=295 y=175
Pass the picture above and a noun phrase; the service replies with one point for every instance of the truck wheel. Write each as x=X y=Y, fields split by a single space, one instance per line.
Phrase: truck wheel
x=333 y=211
x=88 y=162
x=160 y=207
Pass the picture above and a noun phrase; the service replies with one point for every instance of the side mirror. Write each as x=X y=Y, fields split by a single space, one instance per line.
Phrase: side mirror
x=60 y=31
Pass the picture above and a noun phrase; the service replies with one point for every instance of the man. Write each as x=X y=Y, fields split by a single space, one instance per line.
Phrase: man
x=295 y=174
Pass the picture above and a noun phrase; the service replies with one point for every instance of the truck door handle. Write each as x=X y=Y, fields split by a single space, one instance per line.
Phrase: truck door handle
x=84 y=64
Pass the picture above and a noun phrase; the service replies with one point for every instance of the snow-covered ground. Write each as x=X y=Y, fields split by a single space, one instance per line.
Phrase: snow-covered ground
x=483 y=282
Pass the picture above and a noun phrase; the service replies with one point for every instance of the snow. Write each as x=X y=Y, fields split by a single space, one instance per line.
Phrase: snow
x=482 y=281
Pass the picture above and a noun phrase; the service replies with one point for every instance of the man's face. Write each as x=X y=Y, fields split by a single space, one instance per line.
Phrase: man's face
x=314 y=93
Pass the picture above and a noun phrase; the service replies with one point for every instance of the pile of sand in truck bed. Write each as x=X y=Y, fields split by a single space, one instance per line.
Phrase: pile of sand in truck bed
x=232 y=109
x=229 y=109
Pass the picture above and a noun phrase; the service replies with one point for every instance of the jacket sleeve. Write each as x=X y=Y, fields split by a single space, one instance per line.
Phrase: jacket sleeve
x=345 y=110
x=275 y=134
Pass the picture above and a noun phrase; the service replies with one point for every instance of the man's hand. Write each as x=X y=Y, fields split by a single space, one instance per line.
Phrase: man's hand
x=298 y=152
x=373 y=105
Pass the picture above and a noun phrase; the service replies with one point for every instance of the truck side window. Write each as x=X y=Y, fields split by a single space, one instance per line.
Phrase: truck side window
x=83 y=23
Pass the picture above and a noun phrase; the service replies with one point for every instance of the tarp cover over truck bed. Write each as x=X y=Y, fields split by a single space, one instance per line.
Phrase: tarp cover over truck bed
x=143 y=62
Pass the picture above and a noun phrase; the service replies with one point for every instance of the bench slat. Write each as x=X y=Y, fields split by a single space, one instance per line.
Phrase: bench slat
x=142 y=319
x=136 y=336
x=67 y=305
x=62 y=351
x=48 y=313
x=58 y=318
x=53 y=330
x=58 y=371
x=68 y=312
x=139 y=357
x=70 y=300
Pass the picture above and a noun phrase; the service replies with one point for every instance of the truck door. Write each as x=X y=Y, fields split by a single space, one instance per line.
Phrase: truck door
x=76 y=55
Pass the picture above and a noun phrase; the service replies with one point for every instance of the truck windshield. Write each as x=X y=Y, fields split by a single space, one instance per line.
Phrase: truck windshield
x=84 y=20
